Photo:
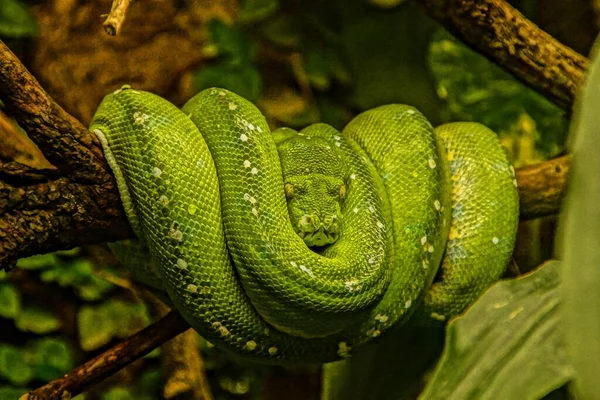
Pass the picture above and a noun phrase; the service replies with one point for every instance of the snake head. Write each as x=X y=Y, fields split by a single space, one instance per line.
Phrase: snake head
x=314 y=184
x=314 y=204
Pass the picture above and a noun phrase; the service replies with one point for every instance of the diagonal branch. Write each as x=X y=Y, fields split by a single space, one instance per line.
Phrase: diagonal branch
x=500 y=32
x=112 y=360
x=65 y=142
x=52 y=209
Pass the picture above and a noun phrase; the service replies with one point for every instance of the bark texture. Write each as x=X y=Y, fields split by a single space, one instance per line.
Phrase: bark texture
x=500 y=32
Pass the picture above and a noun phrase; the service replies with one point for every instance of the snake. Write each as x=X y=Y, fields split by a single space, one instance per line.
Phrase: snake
x=306 y=246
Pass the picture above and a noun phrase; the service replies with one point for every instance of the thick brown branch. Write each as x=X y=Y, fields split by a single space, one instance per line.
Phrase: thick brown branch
x=65 y=142
x=112 y=360
x=541 y=187
x=44 y=210
x=495 y=29
x=41 y=212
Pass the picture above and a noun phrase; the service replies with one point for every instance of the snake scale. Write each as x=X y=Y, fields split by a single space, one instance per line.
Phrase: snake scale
x=403 y=219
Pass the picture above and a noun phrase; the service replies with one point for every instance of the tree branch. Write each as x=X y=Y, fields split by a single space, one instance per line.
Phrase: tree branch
x=541 y=187
x=52 y=209
x=65 y=142
x=500 y=32
x=112 y=360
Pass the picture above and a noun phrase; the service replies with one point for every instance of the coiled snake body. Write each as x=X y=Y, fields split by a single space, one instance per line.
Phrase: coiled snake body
x=387 y=201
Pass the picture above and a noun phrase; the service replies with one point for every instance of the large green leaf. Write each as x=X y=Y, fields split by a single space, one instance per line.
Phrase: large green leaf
x=234 y=68
x=387 y=50
x=508 y=345
x=580 y=233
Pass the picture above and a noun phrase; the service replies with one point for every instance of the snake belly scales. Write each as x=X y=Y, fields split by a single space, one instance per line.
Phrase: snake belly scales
x=407 y=220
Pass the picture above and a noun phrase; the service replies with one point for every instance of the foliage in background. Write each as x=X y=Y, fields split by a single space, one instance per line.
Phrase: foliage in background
x=49 y=344
x=16 y=20
x=234 y=67
x=475 y=89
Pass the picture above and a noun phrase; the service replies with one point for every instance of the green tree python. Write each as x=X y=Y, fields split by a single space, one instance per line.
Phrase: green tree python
x=301 y=247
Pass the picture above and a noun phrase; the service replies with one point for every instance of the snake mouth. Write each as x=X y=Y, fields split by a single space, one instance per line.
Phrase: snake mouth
x=320 y=237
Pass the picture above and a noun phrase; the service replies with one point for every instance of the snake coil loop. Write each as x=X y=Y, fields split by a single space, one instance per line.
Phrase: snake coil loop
x=423 y=220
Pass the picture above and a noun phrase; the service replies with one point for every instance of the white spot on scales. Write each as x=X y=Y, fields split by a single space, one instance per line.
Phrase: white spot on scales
x=156 y=172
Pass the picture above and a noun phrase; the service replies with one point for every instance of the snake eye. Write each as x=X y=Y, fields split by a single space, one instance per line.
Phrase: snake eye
x=342 y=192
x=289 y=190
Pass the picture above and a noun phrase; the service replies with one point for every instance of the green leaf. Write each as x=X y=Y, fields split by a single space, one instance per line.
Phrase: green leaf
x=508 y=345
x=50 y=357
x=115 y=318
x=580 y=229
x=14 y=366
x=38 y=262
x=78 y=273
x=36 y=320
x=10 y=300
x=256 y=10
x=69 y=253
x=322 y=65
x=16 y=20
x=476 y=89
x=95 y=328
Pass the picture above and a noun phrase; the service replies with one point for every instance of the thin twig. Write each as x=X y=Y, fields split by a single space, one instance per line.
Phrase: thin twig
x=111 y=361
x=118 y=12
